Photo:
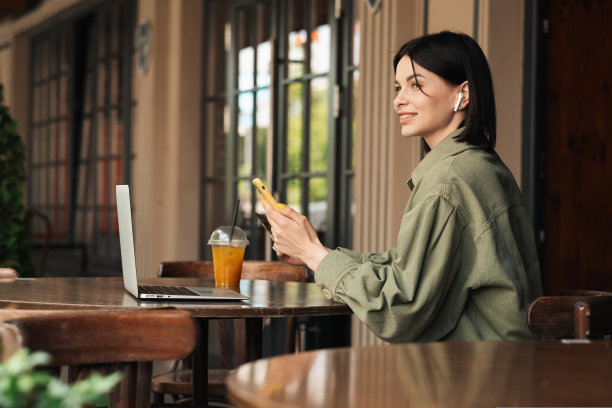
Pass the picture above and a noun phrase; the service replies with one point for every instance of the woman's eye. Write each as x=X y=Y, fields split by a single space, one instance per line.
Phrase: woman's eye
x=415 y=85
x=397 y=88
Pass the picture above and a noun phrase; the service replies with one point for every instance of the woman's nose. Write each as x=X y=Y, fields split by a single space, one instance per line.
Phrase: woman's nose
x=399 y=100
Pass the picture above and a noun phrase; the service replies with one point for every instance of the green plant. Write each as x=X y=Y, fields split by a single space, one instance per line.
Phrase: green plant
x=23 y=387
x=14 y=234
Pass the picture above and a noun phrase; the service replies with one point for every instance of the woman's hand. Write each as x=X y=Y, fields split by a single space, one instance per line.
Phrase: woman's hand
x=295 y=239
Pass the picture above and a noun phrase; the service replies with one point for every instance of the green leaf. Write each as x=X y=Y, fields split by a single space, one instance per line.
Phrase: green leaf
x=22 y=386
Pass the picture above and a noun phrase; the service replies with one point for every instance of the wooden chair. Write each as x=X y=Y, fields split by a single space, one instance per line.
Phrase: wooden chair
x=578 y=314
x=126 y=341
x=179 y=382
x=8 y=274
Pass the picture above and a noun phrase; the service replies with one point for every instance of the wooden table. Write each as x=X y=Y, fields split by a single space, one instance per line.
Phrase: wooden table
x=266 y=299
x=451 y=374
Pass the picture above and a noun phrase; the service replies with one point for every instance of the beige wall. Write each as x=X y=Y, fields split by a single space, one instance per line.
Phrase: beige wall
x=456 y=15
x=502 y=40
x=499 y=31
x=167 y=136
x=6 y=73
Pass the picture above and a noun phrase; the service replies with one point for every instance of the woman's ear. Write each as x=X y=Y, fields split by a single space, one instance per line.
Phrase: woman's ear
x=465 y=90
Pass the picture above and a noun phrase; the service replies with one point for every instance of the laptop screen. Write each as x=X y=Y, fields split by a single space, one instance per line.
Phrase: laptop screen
x=126 y=239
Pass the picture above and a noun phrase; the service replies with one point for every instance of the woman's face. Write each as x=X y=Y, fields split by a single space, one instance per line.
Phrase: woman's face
x=425 y=108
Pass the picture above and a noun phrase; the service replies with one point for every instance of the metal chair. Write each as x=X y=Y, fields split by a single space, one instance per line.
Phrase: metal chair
x=577 y=314
x=126 y=341
x=179 y=382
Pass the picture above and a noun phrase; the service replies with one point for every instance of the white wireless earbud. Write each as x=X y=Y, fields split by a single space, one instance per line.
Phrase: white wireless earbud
x=459 y=98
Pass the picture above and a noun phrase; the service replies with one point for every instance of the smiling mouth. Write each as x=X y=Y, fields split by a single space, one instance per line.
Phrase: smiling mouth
x=406 y=117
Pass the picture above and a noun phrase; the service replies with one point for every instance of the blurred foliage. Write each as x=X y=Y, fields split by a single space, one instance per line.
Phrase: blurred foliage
x=15 y=249
x=23 y=387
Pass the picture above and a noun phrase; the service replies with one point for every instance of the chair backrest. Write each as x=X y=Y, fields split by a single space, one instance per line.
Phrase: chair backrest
x=8 y=274
x=91 y=337
x=263 y=270
x=133 y=339
x=582 y=292
x=574 y=316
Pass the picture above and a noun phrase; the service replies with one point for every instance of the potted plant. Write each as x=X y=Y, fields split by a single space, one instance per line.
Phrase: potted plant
x=14 y=233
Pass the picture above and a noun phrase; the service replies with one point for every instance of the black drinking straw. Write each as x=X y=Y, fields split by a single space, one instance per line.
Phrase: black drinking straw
x=234 y=223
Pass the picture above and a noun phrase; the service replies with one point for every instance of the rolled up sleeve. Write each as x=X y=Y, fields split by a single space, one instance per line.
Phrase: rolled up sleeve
x=398 y=293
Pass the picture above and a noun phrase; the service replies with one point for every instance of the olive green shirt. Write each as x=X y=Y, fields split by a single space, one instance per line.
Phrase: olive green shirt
x=465 y=266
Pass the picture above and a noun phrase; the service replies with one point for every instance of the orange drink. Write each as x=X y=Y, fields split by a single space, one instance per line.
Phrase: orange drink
x=228 y=245
x=227 y=262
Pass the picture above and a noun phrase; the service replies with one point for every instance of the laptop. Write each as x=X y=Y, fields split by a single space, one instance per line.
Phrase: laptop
x=128 y=261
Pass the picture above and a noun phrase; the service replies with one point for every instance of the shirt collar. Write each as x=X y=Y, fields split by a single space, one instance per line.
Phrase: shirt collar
x=449 y=146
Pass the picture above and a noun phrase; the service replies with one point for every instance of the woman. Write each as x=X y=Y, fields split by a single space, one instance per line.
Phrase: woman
x=465 y=266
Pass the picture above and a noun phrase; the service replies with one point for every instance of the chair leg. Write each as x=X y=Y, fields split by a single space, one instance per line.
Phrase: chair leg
x=134 y=389
x=121 y=395
x=144 y=373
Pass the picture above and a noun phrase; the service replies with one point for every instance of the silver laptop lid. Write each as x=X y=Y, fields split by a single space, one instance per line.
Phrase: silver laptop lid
x=128 y=260
x=126 y=238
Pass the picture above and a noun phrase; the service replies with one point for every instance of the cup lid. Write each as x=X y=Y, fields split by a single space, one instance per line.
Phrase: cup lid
x=221 y=236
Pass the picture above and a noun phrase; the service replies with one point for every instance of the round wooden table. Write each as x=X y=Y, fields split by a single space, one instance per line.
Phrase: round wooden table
x=266 y=299
x=445 y=374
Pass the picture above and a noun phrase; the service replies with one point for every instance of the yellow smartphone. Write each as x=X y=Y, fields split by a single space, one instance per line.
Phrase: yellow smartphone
x=265 y=193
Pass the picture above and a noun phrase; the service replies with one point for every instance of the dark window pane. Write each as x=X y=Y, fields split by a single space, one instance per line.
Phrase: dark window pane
x=216 y=146
x=117 y=141
x=216 y=53
x=101 y=87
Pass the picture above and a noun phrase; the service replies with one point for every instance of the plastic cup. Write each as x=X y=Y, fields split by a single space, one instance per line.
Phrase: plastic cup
x=228 y=256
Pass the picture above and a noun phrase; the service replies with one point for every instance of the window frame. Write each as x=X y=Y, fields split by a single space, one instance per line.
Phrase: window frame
x=339 y=127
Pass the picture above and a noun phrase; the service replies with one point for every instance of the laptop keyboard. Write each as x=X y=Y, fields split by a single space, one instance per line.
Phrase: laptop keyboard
x=166 y=290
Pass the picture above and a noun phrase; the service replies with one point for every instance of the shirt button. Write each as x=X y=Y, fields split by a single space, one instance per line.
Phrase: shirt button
x=327 y=293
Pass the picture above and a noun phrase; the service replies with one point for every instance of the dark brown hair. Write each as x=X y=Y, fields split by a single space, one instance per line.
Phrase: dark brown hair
x=456 y=57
